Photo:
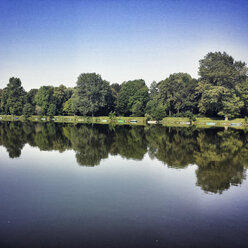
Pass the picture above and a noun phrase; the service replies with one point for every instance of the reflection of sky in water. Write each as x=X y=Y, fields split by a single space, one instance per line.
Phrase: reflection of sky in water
x=48 y=199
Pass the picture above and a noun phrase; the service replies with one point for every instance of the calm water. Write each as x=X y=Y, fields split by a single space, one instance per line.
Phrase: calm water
x=105 y=186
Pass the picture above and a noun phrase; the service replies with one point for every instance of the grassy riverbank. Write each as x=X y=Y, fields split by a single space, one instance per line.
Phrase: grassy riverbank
x=78 y=119
x=168 y=121
x=204 y=121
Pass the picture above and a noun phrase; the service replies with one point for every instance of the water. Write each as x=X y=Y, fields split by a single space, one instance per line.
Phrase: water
x=122 y=186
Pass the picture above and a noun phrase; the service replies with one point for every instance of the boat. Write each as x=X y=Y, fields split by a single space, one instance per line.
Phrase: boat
x=211 y=123
x=185 y=122
x=152 y=122
x=236 y=124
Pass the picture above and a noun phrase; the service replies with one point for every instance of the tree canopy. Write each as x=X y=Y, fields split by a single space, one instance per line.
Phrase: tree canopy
x=220 y=91
x=90 y=94
x=13 y=97
x=220 y=83
x=132 y=98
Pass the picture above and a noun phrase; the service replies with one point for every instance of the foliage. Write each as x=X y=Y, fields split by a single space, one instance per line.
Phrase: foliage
x=177 y=93
x=221 y=85
x=13 y=97
x=61 y=95
x=68 y=107
x=91 y=94
x=132 y=98
x=28 y=110
x=221 y=91
x=44 y=98
x=112 y=115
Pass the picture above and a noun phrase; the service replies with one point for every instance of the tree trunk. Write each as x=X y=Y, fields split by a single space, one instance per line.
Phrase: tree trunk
x=226 y=118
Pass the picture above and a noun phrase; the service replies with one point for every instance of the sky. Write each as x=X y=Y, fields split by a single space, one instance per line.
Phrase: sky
x=50 y=42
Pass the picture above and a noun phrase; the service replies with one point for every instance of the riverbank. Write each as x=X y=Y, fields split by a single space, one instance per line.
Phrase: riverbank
x=79 y=119
x=120 y=120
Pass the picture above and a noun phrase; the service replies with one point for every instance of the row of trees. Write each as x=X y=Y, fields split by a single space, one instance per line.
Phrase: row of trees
x=221 y=156
x=221 y=90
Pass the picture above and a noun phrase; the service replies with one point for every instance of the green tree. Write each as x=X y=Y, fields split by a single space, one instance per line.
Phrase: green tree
x=1 y=94
x=13 y=97
x=90 y=94
x=177 y=93
x=51 y=111
x=28 y=110
x=44 y=98
x=68 y=107
x=30 y=96
x=154 y=107
x=153 y=89
x=61 y=95
x=132 y=98
x=115 y=89
x=220 y=82
x=242 y=90
x=29 y=106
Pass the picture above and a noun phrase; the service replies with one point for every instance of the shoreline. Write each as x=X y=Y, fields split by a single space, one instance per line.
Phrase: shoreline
x=121 y=120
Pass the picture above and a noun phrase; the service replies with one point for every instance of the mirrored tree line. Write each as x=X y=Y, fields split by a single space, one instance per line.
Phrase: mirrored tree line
x=221 y=155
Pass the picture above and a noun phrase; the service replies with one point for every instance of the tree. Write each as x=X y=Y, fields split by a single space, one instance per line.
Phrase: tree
x=221 y=79
x=68 y=108
x=28 y=110
x=30 y=96
x=132 y=96
x=153 y=89
x=44 y=98
x=137 y=109
x=90 y=94
x=242 y=90
x=61 y=95
x=177 y=93
x=154 y=107
x=51 y=111
x=1 y=94
x=115 y=89
x=13 y=97
x=29 y=106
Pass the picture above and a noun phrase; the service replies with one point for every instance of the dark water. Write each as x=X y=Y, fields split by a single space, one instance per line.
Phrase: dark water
x=106 y=186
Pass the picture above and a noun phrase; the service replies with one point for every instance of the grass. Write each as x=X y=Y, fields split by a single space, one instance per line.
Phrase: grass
x=121 y=120
x=78 y=119
x=202 y=122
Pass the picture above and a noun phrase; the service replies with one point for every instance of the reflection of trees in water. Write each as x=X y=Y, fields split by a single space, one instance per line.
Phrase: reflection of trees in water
x=221 y=156
x=49 y=136
x=10 y=137
x=129 y=142
x=90 y=143
x=219 y=178
x=172 y=146
x=219 y=162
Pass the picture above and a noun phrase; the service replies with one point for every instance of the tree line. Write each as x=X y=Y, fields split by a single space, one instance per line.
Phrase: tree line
x=220 y=91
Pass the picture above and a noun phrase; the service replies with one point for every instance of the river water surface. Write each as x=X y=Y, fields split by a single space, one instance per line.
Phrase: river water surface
x=122 y=186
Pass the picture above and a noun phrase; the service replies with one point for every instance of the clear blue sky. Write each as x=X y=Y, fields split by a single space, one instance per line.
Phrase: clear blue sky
x=51 y=42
